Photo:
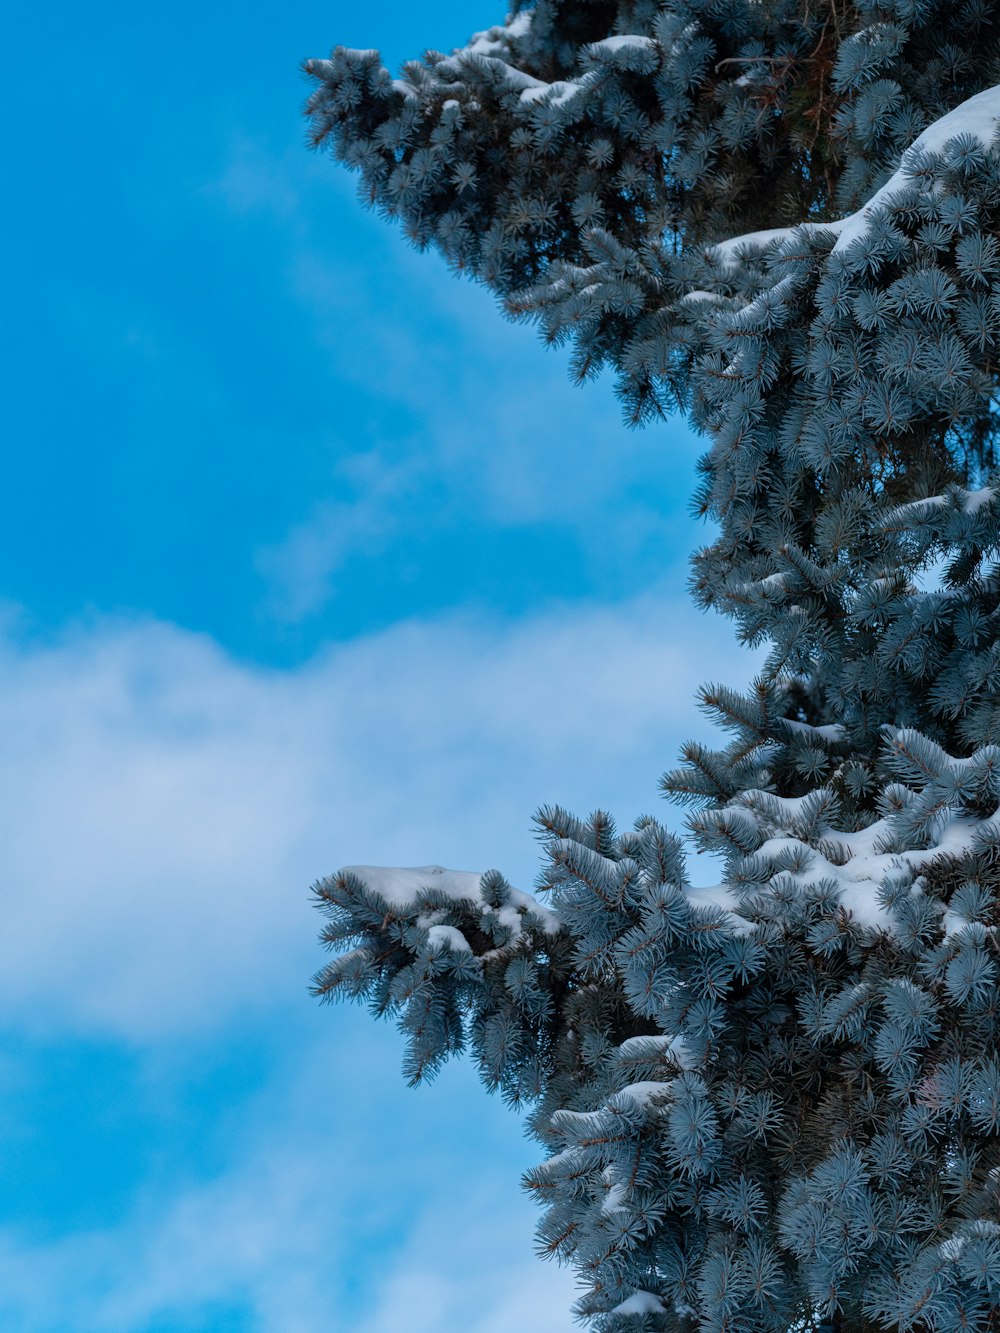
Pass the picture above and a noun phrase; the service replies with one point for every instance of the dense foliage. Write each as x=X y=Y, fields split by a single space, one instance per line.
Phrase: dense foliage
x=778 y=1101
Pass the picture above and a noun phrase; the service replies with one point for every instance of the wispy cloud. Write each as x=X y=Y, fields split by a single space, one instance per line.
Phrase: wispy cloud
x=379 y=497
x=470 y=425
x=498 y=435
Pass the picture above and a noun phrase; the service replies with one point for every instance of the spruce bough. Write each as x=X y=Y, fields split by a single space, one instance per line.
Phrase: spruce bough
x=775 y=1104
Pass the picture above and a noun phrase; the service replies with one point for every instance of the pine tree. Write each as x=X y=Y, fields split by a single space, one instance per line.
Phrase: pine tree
x=775 y=1104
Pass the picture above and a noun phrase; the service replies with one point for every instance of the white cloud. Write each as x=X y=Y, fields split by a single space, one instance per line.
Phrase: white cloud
x=163 y=808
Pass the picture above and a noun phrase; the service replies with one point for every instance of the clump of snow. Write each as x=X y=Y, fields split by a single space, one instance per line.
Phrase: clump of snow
x=858 y=867
x=494 y=40
x=615 y=1201
x=623 y=43
x=970 y=502
x=401 y=886
x=729 y=251
x=558 y=93
x=645 y=1092
x=513 y=78
x=724 y=897
x=493 y=45
x=974 y=500
x=689 y=298
x=832 y=732
x=641 y=1302
x=447 y=937
x=674 y=1048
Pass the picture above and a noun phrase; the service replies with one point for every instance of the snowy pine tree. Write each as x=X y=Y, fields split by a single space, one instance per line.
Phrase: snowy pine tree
x=774 y=1104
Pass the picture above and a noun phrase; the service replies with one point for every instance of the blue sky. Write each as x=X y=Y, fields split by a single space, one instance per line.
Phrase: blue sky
x=306 y=558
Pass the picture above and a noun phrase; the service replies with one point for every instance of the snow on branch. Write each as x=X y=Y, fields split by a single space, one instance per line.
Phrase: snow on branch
x=406 y=890
x=975 y=119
